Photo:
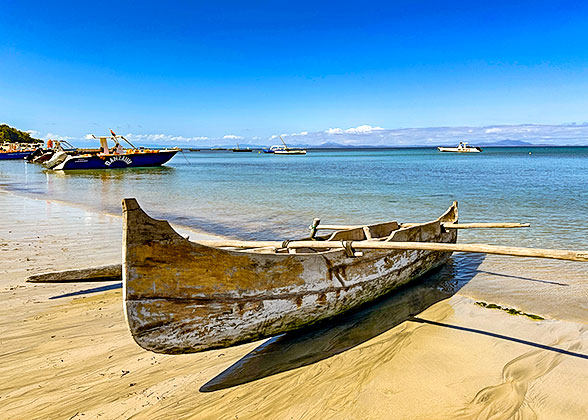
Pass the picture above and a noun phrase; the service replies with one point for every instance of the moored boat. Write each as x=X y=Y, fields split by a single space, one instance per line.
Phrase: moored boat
x=44 y=154
x=5 y=155
x=183 y=296
x=16 y=151
x=271 y=149
x=289 y=152
x=240 y=150
x=462 y=147
x=110 y=158
x=284 y=149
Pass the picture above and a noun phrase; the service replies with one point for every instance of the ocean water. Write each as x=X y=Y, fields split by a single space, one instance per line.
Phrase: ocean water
x=261 y=196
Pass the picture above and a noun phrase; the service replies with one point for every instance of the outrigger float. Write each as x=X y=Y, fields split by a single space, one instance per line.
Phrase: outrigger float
x=110 y=158
x=183 y=297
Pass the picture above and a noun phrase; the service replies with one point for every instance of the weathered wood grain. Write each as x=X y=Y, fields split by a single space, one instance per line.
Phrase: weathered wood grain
x=102 y=273
x=183 y=296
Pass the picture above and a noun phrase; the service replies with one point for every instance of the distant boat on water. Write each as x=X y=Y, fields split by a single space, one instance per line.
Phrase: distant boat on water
x=110 y=158
x=462 y=147
x=284 y=149
x=238 y=149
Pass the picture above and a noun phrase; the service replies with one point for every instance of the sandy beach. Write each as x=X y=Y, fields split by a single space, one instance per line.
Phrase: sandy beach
x=66 y=353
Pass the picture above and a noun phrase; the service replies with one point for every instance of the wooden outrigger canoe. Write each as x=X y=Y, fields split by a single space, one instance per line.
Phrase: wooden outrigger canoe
x=183 y=296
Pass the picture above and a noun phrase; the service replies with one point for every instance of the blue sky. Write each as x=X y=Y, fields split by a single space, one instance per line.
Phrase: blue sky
x=206 y=70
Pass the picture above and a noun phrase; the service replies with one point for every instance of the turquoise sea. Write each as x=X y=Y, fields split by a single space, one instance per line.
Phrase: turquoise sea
x=255 y=195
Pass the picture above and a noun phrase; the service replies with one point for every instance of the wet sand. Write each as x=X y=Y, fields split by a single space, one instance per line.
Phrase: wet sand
x=65 y=351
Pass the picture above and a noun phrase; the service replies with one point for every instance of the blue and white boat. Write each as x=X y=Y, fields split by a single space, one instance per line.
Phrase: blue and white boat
x=14 y=155
x=111 y=158
x=284 y=150
x=16 y=151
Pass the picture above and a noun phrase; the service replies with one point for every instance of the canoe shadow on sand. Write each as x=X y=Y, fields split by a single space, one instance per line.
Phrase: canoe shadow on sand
x=310 y=345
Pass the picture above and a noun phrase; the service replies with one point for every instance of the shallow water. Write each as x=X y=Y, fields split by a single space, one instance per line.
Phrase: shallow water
x=255 y=195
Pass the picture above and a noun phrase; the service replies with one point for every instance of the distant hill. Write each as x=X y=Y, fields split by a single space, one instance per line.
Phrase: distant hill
x=504 y=143
x=12 y=135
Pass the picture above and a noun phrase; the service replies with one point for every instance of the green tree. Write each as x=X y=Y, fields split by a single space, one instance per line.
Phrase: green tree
x=12 y=135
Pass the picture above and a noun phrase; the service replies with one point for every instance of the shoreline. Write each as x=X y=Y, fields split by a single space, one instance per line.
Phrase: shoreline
x=71 y=204
x=67 y=353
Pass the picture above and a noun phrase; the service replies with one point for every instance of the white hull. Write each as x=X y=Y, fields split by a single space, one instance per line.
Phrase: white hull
x=459 y=150
x=290 y=152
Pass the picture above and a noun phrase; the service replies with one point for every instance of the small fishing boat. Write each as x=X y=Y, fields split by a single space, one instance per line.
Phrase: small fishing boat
x=462 y=147
x=16 y=151
x=283 y=149
x=110 y=158
x=288 y=151
x=272 y=149
x=239 y=150
x=183 y=296
x=43 y=154
x=5 y=155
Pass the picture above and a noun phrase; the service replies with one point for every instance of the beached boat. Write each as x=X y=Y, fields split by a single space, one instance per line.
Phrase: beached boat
x=462 y=147
x=110 y=158
x=183 y=296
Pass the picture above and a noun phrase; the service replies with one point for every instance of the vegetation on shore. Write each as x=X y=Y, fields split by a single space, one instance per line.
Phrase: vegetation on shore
x=12 y=135
x=511 y=311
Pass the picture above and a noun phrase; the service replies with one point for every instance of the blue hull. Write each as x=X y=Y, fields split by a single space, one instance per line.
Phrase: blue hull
x=135 y=160
x=14 y=155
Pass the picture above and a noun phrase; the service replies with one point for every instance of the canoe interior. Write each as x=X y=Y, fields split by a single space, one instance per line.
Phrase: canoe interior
x=183 y=297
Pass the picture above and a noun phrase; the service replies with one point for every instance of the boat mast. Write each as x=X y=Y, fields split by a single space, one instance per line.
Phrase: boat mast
x=284 y=143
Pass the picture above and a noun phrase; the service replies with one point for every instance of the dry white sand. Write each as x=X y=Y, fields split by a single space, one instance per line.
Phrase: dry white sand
x=71 y=357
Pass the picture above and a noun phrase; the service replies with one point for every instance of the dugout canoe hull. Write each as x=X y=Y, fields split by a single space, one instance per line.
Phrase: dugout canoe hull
x=183 y=297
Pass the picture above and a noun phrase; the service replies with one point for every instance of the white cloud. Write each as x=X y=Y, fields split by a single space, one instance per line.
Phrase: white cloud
x=438 y=136
x=37 y=134
x=360 y=129
x=162 y=138
x=33 y=133
x=59 y=137
x=302 y=133
x=378 y=136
